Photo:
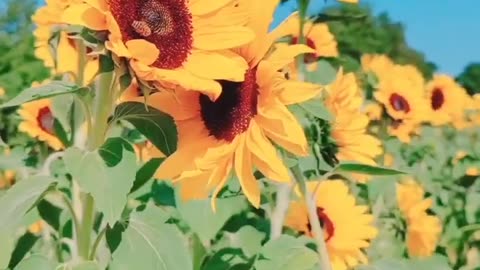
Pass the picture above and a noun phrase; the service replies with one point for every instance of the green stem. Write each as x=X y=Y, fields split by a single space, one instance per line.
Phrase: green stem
x=82 y=60
x=280 y=211
x=86 y=227
x=97 y=243
x=313 y=218
x=102 y=108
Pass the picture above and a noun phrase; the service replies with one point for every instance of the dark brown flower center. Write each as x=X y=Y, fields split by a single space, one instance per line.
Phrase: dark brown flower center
x=230 y=114
x=437 y=99
x=326 y=222
x=45 y=120
x=309 y=57
x=165 y=23
x=399 y=103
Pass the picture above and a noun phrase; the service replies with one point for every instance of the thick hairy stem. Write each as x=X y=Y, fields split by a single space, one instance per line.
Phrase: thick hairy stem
x=86 y=227
x=102 y=109
x=280 y=211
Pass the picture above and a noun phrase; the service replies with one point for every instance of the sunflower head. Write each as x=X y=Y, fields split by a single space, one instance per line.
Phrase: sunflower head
x=349 y=127
x=378 y=64
x=336 y=209
x=447 y=99
x=401 y=92
x=38 y=122
x=423 y=229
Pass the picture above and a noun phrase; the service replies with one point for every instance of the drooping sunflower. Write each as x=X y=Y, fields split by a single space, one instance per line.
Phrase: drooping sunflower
x=38 y=122
x=317 y=36
x=337 y=211
x=234 y=131
x=423 y=229
x=401 y=91
x=448 y=100
x=349 y=127
x=55 y=47
x=173 y=41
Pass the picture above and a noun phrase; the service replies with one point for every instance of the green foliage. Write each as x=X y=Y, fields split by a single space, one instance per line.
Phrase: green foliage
x=107 y=175
x=150 y=243
x=52 y=89
x=470 y=78
x=286 y=253
x=367 y=33
x=157 y=126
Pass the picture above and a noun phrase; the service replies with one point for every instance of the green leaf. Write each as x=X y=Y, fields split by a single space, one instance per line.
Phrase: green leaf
x=8 y=245
x=90 y=265
x=20 y=198
x=286 y=253
x=248 y=239
x=435 y=261
x=316 y=108
x=226 y=258
x=36 y=262
x=112 y=150
x=203 y=221
x=324 y=75
x=149 y=243
x=52 y=89
x=146 y=172
x=156 y=126
x=366 y=169
x=387 y=264
x=108 y=186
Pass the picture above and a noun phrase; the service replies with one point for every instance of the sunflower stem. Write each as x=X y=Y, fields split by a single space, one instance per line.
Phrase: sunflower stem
x=317 y=229
x=102 y=108
x=85 y=227
x=280 y=211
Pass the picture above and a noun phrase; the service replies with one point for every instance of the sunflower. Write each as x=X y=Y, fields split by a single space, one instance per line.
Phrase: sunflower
x=7 y=179
x=423 y=230
x=401 y=91
x=337 y=211
x=38 y=122
x=317 y=36
x=349 y=1
x=233 y=132
x=374 y=111
x=55 y=47
x=349 y=128
x=173 y=41
x=378 y=64
x=448 y=100
x=404 y=130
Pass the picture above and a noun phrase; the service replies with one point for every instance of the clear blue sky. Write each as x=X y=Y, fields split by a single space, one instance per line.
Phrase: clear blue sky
x=447 y=31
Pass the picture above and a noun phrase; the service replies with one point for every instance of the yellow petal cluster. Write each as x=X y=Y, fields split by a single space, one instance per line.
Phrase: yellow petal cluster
x=337 y=210
x=423 y=229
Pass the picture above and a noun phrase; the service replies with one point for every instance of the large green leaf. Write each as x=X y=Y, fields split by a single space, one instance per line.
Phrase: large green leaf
x=13 y=206
x=366 y=169
x=203 y=221
x=324 y=74
x=108 y=186
x=36 y=262
x=52 y=89
x=150 y=243
x=157 y=126
x=286 y=253
x=316 y=108
x=20 y=198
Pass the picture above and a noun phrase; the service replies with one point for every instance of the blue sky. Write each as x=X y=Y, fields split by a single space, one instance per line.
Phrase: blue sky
x=447 y=31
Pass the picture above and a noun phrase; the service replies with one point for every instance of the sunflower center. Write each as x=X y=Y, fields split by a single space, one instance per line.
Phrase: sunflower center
x=45 y=120
x=230 y=114
x=165 y=23
x=437 y=99
x=326 y=223
x=399 y=103
x=309 y=57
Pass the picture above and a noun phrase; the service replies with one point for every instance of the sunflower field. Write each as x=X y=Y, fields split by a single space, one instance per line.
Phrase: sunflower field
x=201 y=135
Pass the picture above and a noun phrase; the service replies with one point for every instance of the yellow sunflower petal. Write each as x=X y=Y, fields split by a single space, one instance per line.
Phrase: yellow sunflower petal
x=219 y=38
x=285 y=55
x=244 y=170
x=296 y=92
x=85 y=15
x=143 y=50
